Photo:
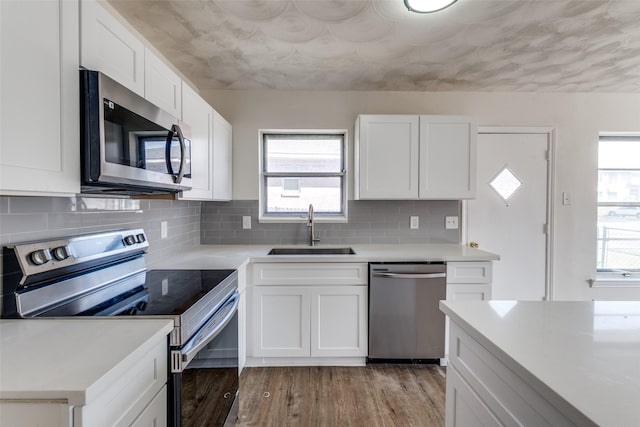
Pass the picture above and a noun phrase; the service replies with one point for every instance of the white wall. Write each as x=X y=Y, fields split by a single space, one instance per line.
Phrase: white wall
x=576 y=118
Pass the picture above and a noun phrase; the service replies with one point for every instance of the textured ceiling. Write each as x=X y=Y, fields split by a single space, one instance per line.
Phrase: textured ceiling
x=475 y=45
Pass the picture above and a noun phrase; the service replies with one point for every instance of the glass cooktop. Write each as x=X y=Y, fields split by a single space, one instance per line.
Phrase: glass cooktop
x=174 y=291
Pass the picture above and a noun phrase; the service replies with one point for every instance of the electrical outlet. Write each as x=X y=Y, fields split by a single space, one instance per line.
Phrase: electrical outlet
x=414 y=222
x=451 y=222
x=246 y=222
x=163 y=230
x=165 y=286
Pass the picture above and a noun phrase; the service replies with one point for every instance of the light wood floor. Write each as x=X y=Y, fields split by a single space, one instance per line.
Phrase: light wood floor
x=375 y=395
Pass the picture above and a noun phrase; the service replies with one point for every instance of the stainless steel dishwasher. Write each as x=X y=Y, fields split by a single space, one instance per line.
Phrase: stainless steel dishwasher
x=405 y=323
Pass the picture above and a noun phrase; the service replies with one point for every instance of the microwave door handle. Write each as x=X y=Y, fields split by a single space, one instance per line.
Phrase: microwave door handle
x=175 y=130
x=183 y=154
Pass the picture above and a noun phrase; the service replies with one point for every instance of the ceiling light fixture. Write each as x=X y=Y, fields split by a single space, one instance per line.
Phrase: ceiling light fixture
x=427 y=6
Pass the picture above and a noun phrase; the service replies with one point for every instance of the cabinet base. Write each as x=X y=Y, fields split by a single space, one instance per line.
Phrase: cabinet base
x=305 y=361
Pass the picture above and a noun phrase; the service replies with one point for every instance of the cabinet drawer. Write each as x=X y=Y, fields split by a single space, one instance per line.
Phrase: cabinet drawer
x=310 y=273
x=155 y=414
x=123 y=400
x=469 y=291
x=469 y=272
x=510 y=398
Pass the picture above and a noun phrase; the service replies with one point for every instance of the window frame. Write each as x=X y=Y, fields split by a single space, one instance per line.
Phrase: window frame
x=617 y=277
x=263 y=216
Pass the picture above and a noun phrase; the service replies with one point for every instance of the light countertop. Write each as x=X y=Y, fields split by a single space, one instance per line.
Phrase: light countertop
x=585 y=353
x=234 y=256
x=67 y=359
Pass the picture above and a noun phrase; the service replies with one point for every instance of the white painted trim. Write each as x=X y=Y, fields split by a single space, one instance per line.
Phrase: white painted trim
x=305 y=361
x=551 y=191
x=516 y=129
x=319 y=218
x=613 y=283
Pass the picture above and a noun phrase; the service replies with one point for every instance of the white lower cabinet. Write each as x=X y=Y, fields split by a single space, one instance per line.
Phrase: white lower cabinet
x=339 y=321
x=282 y=321
x=467 y=280
x=324 y=319
x=155 y=414
x=138 y=397
x=483 y=391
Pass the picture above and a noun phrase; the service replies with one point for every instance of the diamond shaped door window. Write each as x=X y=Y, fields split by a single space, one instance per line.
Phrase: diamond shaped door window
x=506 y=184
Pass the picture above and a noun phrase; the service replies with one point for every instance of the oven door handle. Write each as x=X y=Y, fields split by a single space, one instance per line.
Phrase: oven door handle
x=210 y=330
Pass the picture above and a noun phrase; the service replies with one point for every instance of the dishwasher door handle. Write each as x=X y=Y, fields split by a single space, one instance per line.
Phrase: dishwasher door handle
x=411 y=275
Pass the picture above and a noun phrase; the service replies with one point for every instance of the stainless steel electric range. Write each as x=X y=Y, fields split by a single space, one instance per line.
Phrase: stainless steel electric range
x=104 y=274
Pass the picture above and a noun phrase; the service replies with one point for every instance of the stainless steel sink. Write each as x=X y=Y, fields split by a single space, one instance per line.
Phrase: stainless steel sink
x=311 y=251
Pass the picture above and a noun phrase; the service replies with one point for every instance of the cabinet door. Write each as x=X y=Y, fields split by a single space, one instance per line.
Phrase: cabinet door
x=107 y=45
x=198 y=115
x=155 y=414
x=448 y=156
x=281 y=321
x=386 y=157
x=222 y=157
x=162 y=86
x=464 y=408
x=39 y=112
x=339 y=321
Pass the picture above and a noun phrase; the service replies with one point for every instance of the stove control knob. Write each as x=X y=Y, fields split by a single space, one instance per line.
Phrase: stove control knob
x=60 y=253
x=141 y=238
x=41 y=256
x=130 y=240
x=141 y=306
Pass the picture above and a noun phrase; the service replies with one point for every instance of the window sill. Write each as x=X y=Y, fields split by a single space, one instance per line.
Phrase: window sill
x=615 y=280
x=302 y=219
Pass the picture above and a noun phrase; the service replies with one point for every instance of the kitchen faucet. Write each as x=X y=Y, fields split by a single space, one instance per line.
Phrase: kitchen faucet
x=312 y=238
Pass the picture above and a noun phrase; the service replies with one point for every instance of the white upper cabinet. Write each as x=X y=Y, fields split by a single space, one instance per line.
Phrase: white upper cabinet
x=39 y=116
x=448 y=146
x=162 y=86
x=211 y=137
x=199 y=116
x=222 y=157
x=386 y=157
x=412 y=157
x=108 y=46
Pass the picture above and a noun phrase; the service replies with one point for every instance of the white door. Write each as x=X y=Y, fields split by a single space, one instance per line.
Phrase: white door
x=513 y=224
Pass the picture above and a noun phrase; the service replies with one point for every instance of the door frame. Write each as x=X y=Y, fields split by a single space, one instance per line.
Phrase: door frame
x=549 y=241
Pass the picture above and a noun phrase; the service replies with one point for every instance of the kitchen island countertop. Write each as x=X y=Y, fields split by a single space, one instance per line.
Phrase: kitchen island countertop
x=580 y=355
x=64 y=359
x=234 y=256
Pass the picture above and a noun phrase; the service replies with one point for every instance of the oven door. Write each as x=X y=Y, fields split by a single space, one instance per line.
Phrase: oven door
x=204 y=389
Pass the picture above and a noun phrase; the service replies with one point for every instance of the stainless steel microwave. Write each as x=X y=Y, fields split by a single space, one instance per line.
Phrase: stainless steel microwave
x=128 y=145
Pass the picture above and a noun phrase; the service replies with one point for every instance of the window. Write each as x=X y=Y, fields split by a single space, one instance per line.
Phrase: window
x=301 y=168
x=618 y=222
